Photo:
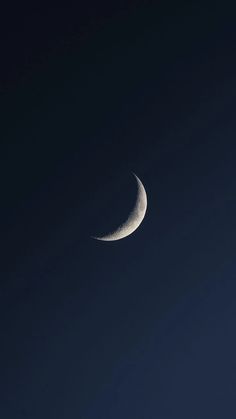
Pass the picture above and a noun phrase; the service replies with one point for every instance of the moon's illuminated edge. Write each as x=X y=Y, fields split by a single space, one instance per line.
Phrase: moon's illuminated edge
x=135 y=218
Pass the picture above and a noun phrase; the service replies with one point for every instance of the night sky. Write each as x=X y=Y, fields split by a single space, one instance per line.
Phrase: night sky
x=144 y=327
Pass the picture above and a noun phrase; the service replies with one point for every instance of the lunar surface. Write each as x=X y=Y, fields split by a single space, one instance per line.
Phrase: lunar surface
x=135 y=218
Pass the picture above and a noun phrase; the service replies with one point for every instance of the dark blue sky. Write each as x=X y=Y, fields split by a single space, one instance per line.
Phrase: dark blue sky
x=143 y=327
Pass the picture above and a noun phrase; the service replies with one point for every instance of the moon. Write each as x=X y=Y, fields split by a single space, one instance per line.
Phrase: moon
x=135 y=217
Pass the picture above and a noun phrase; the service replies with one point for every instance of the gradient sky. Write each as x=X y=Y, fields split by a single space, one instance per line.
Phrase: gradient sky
x=143 y=327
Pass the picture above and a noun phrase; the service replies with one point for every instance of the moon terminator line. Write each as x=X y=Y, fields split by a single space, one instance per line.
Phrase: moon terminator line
x=135 y=218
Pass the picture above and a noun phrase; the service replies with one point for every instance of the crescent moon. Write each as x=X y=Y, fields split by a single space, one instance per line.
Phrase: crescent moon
x=135 y=218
